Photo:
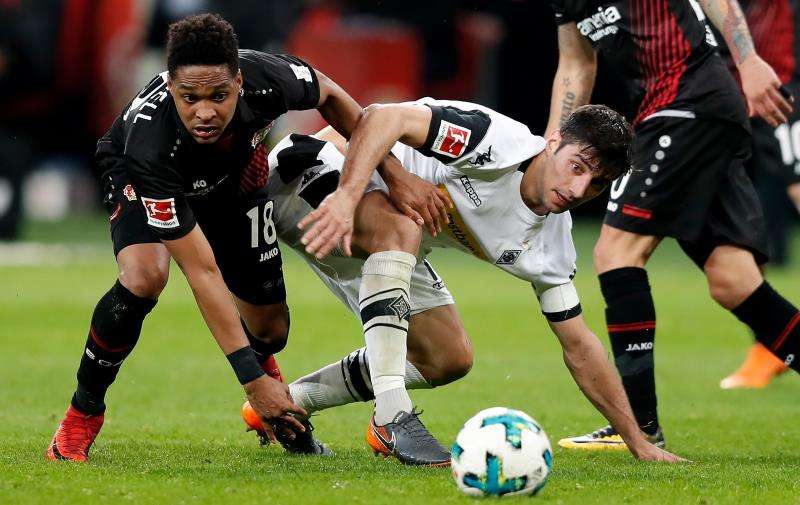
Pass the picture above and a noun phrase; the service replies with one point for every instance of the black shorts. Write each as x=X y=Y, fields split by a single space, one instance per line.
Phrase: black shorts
x=689 y=182
x=777 y=150
x=240 y=230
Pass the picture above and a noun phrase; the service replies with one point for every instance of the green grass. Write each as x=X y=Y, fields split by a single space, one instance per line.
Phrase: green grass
x=173 y=432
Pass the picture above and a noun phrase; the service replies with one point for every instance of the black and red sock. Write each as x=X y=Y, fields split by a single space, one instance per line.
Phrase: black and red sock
x=631 y=320
x=113 y=333
x=775 y=322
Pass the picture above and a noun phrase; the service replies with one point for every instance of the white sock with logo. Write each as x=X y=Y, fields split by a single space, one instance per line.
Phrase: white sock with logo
x=385 y=312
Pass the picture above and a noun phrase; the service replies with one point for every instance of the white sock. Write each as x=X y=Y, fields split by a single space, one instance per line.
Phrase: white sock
x=383 y=299
x=345 y=381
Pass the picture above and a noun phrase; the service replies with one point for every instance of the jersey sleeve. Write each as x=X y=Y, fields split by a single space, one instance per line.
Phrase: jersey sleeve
x=454 y=132
x=560 y=11
x=290 y=82
x=160 y=189
x=558 y=267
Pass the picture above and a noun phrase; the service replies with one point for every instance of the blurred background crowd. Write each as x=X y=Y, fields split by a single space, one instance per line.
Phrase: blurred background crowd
x=68 y=67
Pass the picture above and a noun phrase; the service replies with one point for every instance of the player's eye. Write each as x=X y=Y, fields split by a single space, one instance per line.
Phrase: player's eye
x=189 y=98
x=219 y=97
x=576 y=168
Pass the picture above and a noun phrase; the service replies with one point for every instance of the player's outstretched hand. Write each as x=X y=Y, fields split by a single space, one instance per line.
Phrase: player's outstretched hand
x=421 y=201
x=762 y=88
x=272 y=401
x=331 y=222
x=649 y=452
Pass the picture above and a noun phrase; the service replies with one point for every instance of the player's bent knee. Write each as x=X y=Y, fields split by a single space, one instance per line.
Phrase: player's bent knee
x=724 y=287
x=457 y=364
x=145 y=281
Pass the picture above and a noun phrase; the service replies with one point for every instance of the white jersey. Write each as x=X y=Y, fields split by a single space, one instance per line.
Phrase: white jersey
x=472 y=152
x=482 y=177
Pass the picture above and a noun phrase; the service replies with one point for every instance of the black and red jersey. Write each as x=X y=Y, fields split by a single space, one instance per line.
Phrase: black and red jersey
x=775 y=28
x=665 y=50
x=173 y=176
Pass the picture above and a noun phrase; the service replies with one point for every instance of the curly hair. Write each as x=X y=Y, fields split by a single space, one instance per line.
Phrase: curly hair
x=605 y=133
x=203 y=39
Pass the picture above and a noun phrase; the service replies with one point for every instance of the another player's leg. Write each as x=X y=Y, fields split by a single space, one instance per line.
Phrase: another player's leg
x=439 y=352
x=113 y=332
x=619 y=259
x=736 y=283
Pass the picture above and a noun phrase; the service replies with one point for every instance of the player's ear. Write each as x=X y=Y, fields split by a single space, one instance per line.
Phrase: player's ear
x=239 y=79
x=554 y=141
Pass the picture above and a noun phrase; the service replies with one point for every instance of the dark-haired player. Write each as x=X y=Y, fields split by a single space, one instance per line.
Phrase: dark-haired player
x=511 y=192
x=184 y=172
x=689 y=182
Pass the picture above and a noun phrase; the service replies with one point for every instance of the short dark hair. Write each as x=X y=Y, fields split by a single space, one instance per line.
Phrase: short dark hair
x=203 y=39
x=603 y=131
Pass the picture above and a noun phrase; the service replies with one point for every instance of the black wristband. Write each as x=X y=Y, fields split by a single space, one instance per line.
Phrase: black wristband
x=245 y=365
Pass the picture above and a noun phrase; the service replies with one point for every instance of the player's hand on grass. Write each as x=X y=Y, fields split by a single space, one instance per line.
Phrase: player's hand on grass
x=761 y=87
x=331 y=223
x=272 y=401
x=421 y=201
x=649 y=452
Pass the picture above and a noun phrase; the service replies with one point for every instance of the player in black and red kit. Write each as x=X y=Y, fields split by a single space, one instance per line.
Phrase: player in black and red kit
x=775 y=27
x=688 y=182
x=184 y=179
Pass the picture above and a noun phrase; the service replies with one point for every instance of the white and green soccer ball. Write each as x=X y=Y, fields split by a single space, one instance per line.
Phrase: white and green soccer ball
x=501 y=452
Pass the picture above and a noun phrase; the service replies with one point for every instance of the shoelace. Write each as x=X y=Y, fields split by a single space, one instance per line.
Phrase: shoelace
x=412 y=425
x=607 y=431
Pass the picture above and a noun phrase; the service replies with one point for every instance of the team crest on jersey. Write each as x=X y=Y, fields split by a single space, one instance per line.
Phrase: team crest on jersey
x=481 y=159
x=129 y=193
x=509 y=257
x=451 y=140
x=160 y=213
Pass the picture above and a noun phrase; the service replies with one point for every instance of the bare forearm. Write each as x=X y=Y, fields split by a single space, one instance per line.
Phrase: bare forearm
x=594 y=374
x=728 y=18
x=572 y=87
x=342 y=112
x=218 y=310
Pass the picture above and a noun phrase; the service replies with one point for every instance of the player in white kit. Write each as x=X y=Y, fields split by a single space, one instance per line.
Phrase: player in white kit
x=510 y=190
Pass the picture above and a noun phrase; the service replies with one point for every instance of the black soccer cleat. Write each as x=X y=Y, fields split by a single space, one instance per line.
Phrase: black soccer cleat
x=408 y=440
x=607 y=438
x=303 y=443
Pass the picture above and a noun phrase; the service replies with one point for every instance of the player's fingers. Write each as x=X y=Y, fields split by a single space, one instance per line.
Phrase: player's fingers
x=444 y=196
x=429 y=221
x=434 y=212
x=319 y=224
x=346 y=243
x=782 y=102
x=762 y=112
x=441 y=208
x=294 y=423
x=310 y=217
x=324 y=231
x=269 y=430
x=773 y=108
x=331 y=240
x=412 y=214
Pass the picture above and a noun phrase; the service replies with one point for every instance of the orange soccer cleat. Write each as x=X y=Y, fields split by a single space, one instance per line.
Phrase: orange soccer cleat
x=74 y=436
x=302 y=443
x=757 y=371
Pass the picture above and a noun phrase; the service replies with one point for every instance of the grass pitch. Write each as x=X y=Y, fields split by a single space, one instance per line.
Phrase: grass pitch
x=173 y=431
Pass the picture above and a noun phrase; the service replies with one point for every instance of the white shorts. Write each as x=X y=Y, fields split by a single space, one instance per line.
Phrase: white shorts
x=313 y=174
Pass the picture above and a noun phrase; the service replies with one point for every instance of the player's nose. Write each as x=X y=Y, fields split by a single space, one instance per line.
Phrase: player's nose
x=580 y=185
x=205 y=114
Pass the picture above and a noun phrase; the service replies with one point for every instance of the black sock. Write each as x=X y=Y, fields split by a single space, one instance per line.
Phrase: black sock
x=631 y=320
x=114 y=331
x=775 y=322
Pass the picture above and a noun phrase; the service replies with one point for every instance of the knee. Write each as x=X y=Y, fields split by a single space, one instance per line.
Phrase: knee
x=456 y=364
x=270 y=336
x=724 y=286
x=145 y=281
x=402 y=234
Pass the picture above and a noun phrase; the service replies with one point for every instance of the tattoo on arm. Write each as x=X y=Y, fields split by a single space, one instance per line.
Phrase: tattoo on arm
x=728 y=17
x=567 y=106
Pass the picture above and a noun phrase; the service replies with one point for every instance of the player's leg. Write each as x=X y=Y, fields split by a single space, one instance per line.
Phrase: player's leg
x=619 y=259
x=115 y=325
x=676 y=161
x=439 y=352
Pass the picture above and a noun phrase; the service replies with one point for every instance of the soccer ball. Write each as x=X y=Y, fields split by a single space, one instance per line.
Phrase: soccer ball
x=501 y=452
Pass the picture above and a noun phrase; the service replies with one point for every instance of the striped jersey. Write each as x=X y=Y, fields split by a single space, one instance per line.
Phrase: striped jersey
x=665 y=50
